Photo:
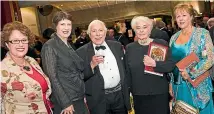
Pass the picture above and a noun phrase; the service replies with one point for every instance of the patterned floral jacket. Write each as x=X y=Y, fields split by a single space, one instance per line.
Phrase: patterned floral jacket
x=16 y=86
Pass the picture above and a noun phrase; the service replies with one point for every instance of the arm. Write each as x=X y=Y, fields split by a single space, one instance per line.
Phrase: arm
x=207 y=61
x=128 y=72
x=196 y=81
x=49 y=62
x=4 y=85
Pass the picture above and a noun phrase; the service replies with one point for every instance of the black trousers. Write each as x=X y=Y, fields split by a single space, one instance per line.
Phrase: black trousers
x=112 y=103
x=79 y=107
x=151 y=104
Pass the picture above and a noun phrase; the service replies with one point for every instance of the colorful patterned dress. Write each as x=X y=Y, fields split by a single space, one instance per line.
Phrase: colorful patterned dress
x=21 y=93
x=200 y=43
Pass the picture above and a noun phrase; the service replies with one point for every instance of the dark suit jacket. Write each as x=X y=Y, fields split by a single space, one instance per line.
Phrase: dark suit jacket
x=211 y=30
x=65 y=70
x=122 y=39
x=94 y=82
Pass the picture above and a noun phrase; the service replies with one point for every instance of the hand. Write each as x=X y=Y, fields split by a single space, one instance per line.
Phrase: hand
x=68 y=110
x=96 y=60
x=184 y=74
x=148 y=61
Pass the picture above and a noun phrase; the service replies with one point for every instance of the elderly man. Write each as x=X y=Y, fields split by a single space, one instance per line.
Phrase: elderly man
x=104 y=73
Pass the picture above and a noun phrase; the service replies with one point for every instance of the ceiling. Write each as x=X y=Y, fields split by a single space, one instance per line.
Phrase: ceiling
x=73 y=5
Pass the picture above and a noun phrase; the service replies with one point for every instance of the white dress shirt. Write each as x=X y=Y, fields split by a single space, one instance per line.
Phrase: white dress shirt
x=108 y=69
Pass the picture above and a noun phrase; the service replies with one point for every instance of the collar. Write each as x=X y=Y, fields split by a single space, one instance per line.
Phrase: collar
x=104 y=44
x=64 y=40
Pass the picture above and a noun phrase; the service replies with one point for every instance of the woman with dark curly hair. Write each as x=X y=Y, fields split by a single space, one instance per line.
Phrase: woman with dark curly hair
x=24 y=87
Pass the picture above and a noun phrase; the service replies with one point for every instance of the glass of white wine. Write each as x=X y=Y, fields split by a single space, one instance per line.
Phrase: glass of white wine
x=101 y=54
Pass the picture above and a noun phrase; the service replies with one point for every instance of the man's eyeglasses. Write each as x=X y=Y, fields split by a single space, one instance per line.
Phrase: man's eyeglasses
x=18 y=41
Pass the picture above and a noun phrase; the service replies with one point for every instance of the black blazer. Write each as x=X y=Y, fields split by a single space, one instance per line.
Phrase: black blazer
x=211 y=30
x=94 y=83
x=65 y=70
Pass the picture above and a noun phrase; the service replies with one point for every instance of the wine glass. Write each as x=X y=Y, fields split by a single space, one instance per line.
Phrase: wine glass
x=101 y=54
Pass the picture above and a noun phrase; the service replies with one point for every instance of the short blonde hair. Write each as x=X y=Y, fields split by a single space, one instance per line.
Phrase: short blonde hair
x=185 y=7
x=94 y=22
x=141 y=18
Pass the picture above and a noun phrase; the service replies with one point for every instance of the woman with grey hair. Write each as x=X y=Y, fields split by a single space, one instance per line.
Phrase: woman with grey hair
x=150 y=91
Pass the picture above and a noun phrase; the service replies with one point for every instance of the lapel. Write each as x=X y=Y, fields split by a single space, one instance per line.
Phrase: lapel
x=90 y=50
x=36 y=66
x=63 y=46
x=12 y=65
x=91 y=53
x=15 y=69
x=118 y=58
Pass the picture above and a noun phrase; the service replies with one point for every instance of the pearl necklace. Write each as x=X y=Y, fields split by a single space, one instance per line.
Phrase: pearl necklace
x=144 y=42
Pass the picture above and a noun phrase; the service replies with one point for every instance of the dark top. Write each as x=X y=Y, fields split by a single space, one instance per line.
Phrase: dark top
x=3 y=53
x=80 y=42
x=65 y=70
x=146 y=84
x=211 y=30
x=32 y=53
x=159 y=34
x=109 y=38
x=122 y=39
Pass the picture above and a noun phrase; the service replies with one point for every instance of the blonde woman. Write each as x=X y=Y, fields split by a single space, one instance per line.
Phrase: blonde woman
x=191 y=39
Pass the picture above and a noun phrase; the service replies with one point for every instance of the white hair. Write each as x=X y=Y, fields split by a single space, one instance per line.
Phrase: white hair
x=141 y=18
x=210 y=21
x=95 y=22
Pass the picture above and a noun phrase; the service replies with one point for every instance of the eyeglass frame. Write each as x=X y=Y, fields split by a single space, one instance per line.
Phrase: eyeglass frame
x=12 y=41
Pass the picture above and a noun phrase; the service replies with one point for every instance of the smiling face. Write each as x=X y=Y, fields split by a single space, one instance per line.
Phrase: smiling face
x=63 y=28
x=97 y=33
x=183 y=18
x=17 y=50
x=142 y=30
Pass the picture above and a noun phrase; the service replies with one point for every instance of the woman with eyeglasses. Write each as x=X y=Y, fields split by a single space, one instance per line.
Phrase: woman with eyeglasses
x=24 y=87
